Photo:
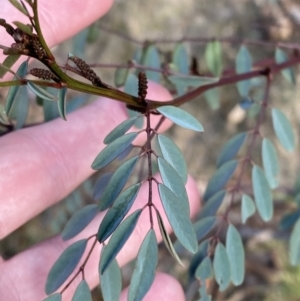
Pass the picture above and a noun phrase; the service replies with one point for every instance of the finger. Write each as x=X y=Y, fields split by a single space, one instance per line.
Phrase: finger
x=43 y=164
x=59 y=19
x=26 y=273
x=164 y=288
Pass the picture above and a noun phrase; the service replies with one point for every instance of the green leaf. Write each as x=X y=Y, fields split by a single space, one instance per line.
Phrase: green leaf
x=18 y=6
x=248 y=207
x=121 y=75
x=120 y=130
x=150 y=57
x=213 y=204
x=111 y=282
x=24 y=27
x=213 y=57
x=178 y=218
x=100 y=185
x=295 y=244
x=243 y=64
x=82 y=292
x=204 y=270
x=118 y=239
x=79 y=221
x=49 y=107
x=221 y=267
x=198 y=258
x=42 y=93
x=283 y=130
x=191 y=80
x=117 y=183
x=62 y=103
x=288 y=73
x=131 y=85
x=173 y=155
x=14 y=90
x=65 y=265
x=181 y=118
x=173 y=181
x=180 y=58
x=113 y=150
x=262 y=194
x=55 y=297
x=167 y=239
x=236 y=255
x=144 y=271
x=117 y=212
x=76 y=102
x=220 y=178
x=20 y=107
x=8 y=63
x=203 y=226
x=270 y=162
x=289 y=220
x=212 y=97
x=231 y=148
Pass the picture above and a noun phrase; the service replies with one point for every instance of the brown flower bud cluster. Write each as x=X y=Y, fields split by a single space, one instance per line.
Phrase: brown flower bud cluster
x=87 y=72
x=142 y=86
x=44 y=74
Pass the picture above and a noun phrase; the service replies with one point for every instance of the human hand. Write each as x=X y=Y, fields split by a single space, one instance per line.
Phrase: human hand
x=41 y=165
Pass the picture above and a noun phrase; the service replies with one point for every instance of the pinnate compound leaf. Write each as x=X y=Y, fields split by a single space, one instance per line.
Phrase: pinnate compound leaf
x=236 y=255
x=262 y=193
x=8 y=63
x=173 y=181
x=221 y=267
x=82 y=292
x=42 y=93
x=295 y=245
x=167 y=239
x=101 y=184
x=178 y=218
x=248 y=207
x=14 y=90
x=18 y=6
x=243 y=64
x=150 y=57
x=181 y=118
x=231 y=148
x=79 y=221
x=173 y=155
x=220 y=178
x=117 y=183
x=288 y=73
x=65 y=265
x=117 y=212
x=270 y=162
x=213 y=204
x=181 y=59
x=283 y=130
x=62 y=103
x=113 y=150
x=54 y=297
x=118 y=239
x=204 y=270
x=213 y=57
x=111 y=282
x=144 y=271
x=120 y=130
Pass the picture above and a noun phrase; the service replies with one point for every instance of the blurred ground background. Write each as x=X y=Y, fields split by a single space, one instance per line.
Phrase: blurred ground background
x=268 y=274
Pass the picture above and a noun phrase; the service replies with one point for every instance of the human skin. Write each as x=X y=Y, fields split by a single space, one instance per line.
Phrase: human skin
x=42 y=164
